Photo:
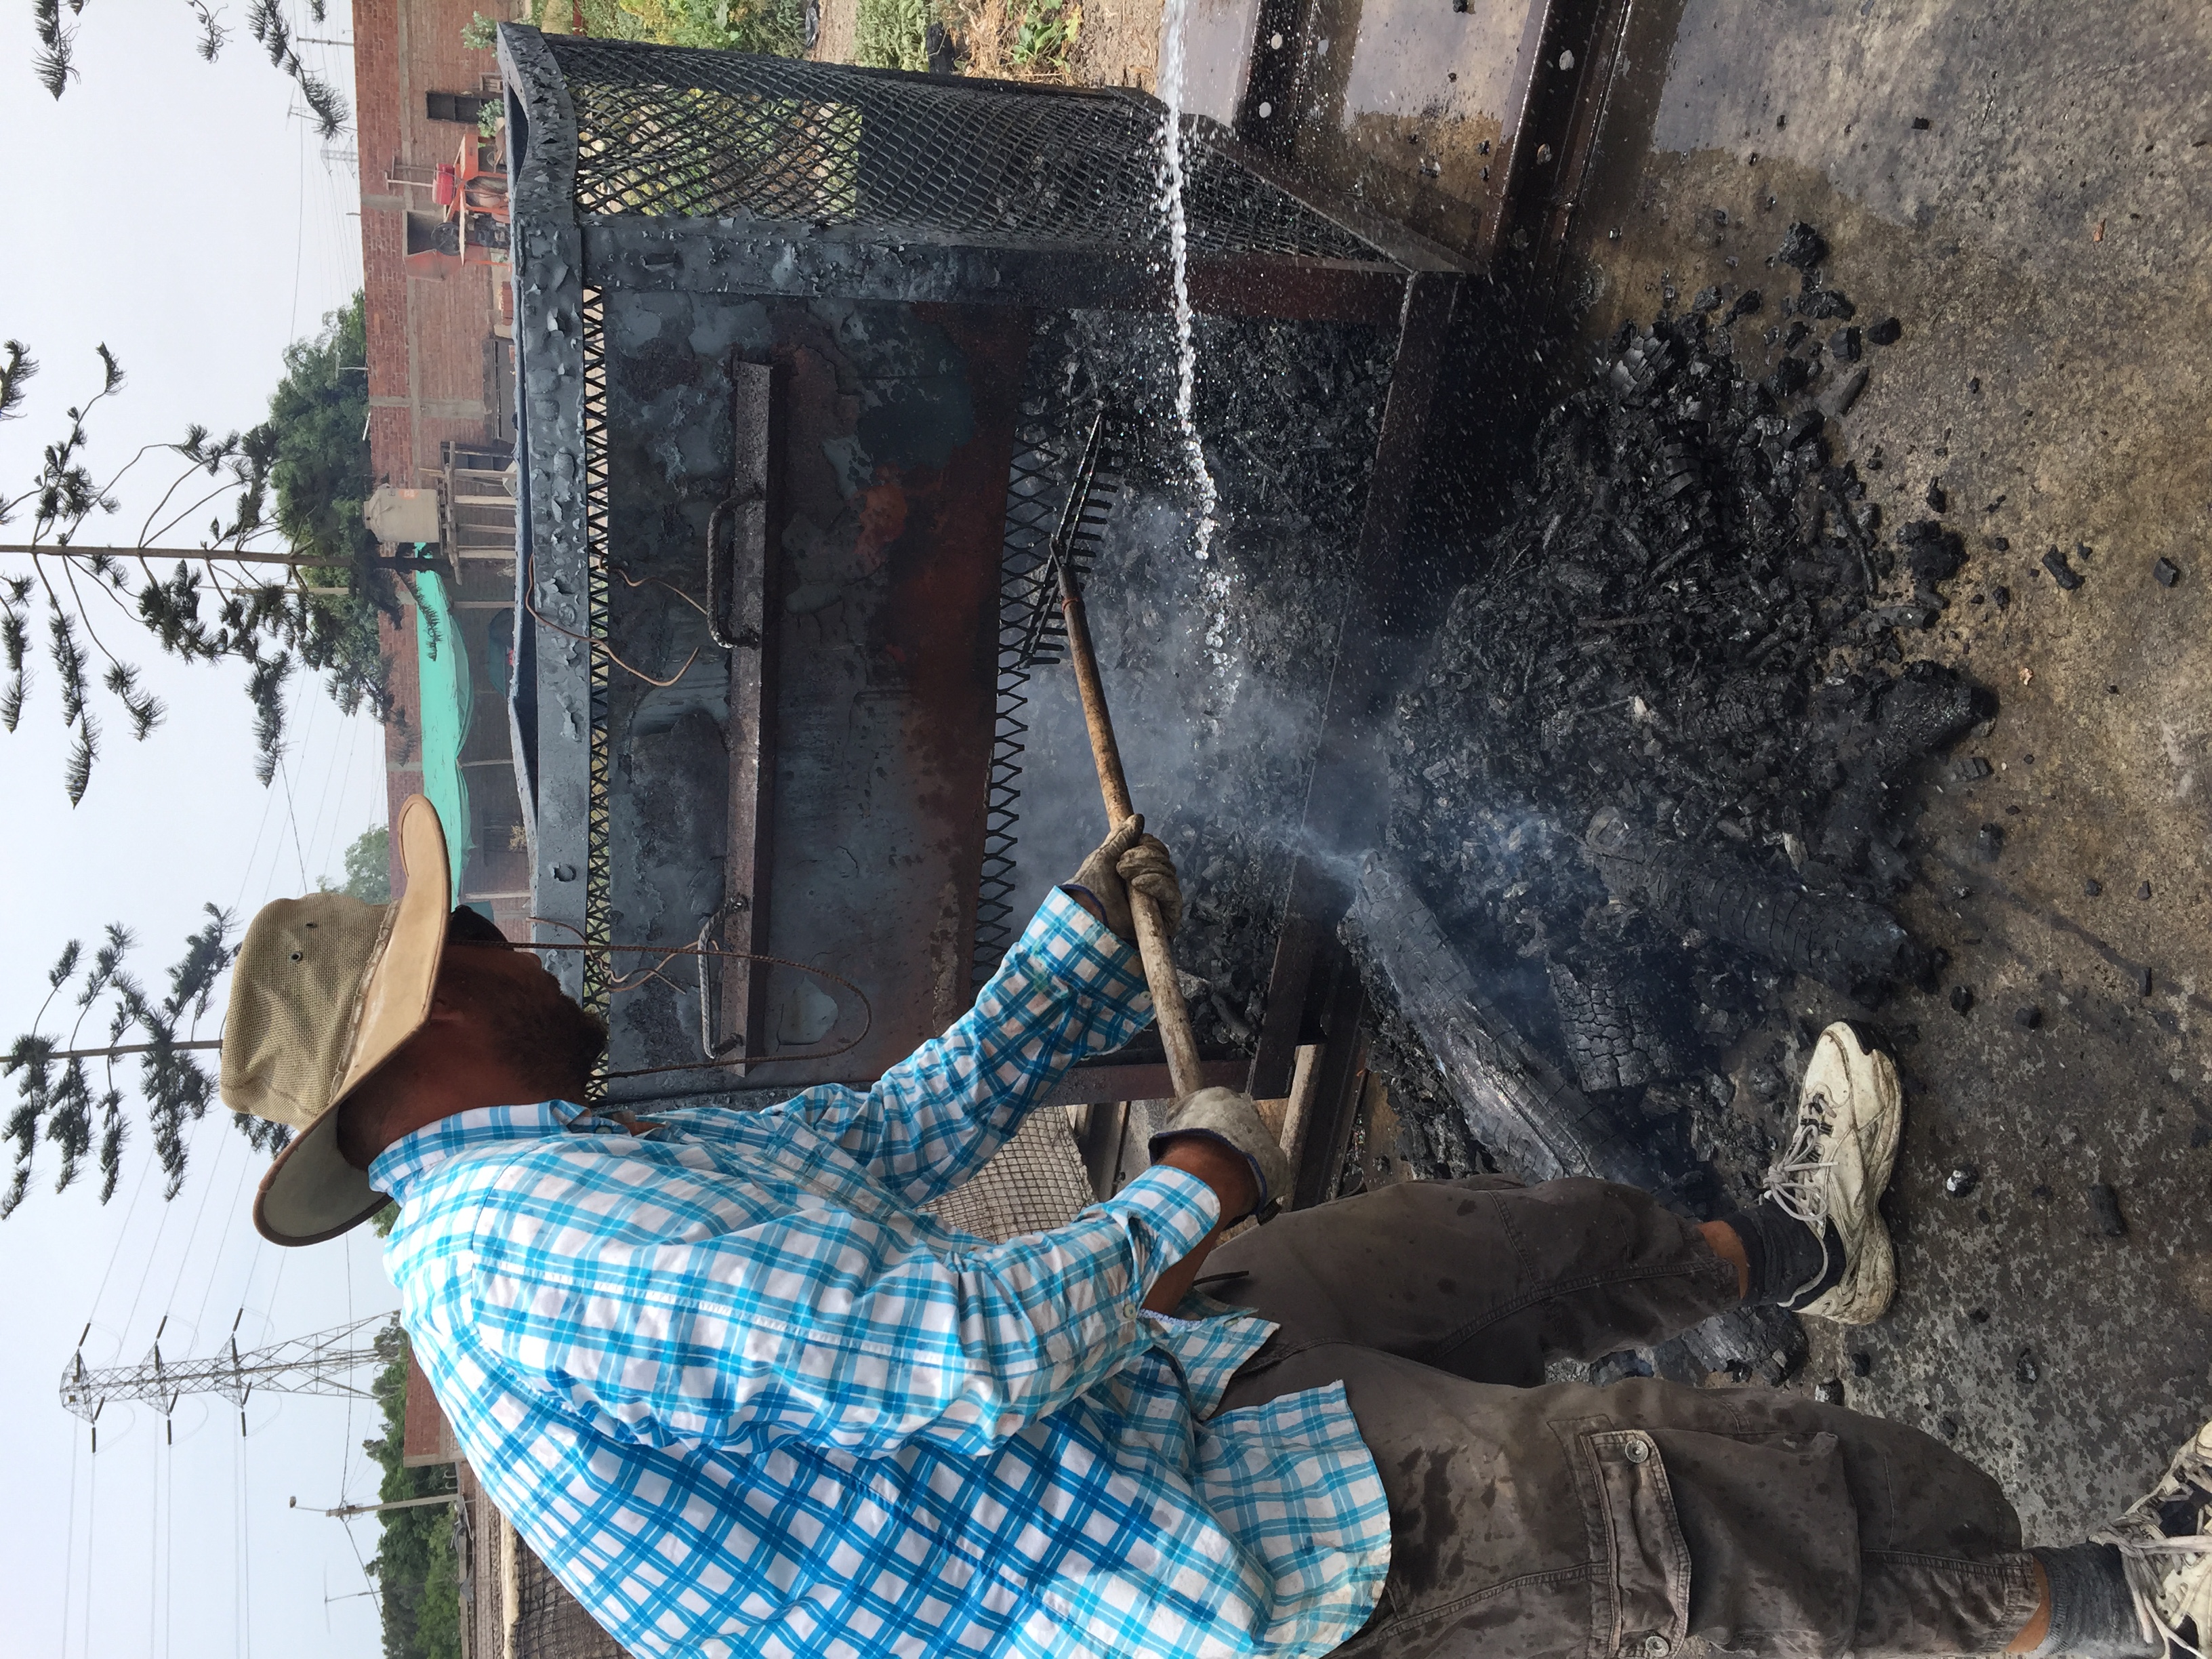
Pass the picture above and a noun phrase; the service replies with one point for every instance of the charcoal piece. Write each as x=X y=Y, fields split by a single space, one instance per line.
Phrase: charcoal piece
x=2166 y=572
x=2143 y=891
x=1989 y=842
x=1806 y=423
x=1925 y=709
x=1888 y=331
x=1974 y=386
x=2025 y=1371
x=1836 y=402
x=1947 y=1425
x=1971 y=768
x=1746 y=304
x=2142 y=977
x=1801 y=246
x=1706 y=299
x=2027 y=1018
x=2104 y=1210
x=1962 y=1180
x=1937 y=500
x=2002 y=544
x=2200 y=1134
x=2084 y=552
x=1790 y=376
x=1933 y=553
x=1843 y=345
x=1511 y=1099
x=1844 y=942
x=1614 y=1038
x=1962 y=999
x=2061 y=572
x=1829 y=1392
x=2091 y=887
x=1977 y=1316
x=1794 y=333
x=1825 y=302
x=1861 y=1362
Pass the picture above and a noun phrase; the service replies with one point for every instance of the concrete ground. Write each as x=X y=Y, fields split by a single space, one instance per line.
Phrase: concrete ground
x=2029 y=190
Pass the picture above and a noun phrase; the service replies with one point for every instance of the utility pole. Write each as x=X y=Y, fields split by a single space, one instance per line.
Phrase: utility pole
x=347 y=1511
x=320 y=1365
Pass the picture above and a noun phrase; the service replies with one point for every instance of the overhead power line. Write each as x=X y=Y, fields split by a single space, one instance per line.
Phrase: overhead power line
x=320 y=1365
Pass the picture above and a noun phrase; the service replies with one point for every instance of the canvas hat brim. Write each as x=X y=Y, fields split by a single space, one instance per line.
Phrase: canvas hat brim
x=311 y=1193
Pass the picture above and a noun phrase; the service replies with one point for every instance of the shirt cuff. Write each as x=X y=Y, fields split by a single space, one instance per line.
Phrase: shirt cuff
x=1168 y=1212
x=1086 y=953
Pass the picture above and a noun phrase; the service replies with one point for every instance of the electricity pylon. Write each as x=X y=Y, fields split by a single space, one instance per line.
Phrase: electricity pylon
x=323 y=1364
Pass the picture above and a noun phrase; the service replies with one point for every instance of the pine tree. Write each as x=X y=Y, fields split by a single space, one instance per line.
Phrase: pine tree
x=303 y=585
x=69 y=1094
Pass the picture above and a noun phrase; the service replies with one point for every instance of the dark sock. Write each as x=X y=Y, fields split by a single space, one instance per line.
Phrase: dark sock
x=2092 y=1614
x=1784 y=1252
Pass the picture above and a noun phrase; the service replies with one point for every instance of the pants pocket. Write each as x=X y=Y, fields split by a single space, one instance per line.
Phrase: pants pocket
x=1773 y=1535
x=1640 y=1596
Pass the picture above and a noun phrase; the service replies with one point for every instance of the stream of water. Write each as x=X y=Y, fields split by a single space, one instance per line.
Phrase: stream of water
x=1171 y=182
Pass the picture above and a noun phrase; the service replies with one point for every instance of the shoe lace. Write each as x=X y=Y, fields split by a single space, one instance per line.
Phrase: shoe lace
x=1793 y=1183
x=2148 y=1558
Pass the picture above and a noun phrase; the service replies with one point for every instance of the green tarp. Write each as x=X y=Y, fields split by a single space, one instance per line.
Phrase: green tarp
x=447 y=702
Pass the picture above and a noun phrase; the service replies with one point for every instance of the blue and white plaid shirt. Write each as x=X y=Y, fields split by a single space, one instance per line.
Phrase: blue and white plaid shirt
x=745 y=1397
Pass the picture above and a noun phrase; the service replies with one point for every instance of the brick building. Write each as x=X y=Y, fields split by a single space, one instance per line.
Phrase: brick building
x=440 y=389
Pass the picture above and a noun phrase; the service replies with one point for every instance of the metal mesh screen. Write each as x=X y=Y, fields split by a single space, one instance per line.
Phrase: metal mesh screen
x=722 y=135
x=1035 y=1182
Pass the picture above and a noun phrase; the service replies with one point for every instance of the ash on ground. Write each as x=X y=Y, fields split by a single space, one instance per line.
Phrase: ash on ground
x=1657 y=759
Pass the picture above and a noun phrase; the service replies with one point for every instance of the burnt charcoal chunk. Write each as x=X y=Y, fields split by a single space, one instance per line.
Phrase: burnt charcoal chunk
x=1824 y=303
x=2025 y=1370
x=1933 y=553
x=1804 y=424
x=1843 y=345
x=1888 y=331
x=2061 y=572
x=2091 y=887
x=1971 y=768
x=2105 y=1211
x=1920 y=124
x=1829 y=1392
x=1845 y=392
x=2143 y=891
x=1613 y=1035
x=1926 y=707
x=2142 y=981
x=2002 y=544
x=2166 y=572
x=2001 y=595
x=1794 y=334
x=1861 y=1362
x=1746 y=305
x=1790 y=376
x=1946 y=1425
x=1801 y=246
x=1988 y=844
x=1962 y=999
x=1706 y=299
x=2027 y=1018
x=1937 y=500
x=1962 y=1180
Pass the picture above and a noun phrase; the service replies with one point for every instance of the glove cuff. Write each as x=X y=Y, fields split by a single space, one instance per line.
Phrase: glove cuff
x=1159 y=1143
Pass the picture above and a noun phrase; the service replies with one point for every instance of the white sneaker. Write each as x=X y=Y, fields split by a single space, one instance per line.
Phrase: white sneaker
x=1836 y=1167
x=2167 y=1552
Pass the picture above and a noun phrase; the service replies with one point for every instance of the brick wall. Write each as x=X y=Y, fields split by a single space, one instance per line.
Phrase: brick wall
x=428 y=368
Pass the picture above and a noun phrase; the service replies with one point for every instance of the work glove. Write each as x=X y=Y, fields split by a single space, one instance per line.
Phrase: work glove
x=1130 y=858
x=1227 y=1116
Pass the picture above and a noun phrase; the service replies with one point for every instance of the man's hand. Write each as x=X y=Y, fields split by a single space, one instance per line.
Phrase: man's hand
x=1235 y=1190
x=1129 y=857
x=1232 y=1121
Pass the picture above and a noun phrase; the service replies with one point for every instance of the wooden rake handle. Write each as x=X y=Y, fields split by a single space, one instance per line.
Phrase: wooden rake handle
x=1169 y=1011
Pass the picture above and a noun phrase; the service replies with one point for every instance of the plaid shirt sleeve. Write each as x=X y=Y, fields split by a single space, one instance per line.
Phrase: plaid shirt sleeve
x=1067 y=988
x=843 y=1332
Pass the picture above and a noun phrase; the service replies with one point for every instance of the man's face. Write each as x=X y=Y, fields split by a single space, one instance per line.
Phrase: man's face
x=513 y=1003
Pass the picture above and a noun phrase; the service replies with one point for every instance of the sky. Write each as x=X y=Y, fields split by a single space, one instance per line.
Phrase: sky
x=179 y=212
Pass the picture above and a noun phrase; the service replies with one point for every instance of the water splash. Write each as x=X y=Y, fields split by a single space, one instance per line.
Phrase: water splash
x=1170 y=199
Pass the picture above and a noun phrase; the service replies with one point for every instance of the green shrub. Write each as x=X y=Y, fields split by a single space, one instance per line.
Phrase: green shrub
x=1047 y=35
x=892 y=34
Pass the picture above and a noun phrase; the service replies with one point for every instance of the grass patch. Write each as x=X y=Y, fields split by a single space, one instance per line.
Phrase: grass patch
x=892 y=34
x=775 y=26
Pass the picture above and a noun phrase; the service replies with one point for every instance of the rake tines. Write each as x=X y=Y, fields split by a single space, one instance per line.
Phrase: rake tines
x=1073 y=548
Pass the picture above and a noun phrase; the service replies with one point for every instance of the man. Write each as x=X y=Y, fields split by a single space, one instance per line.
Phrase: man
x=745 y=1397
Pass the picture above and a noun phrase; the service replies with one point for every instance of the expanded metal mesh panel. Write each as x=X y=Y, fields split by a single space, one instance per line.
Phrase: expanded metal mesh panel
x=1034 y=1183
x=720 y=135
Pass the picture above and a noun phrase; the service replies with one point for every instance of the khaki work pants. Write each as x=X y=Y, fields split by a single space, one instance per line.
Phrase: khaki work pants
x=1531 y=1519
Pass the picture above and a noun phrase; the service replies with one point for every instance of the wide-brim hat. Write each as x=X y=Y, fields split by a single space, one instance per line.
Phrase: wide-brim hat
x=325 y=989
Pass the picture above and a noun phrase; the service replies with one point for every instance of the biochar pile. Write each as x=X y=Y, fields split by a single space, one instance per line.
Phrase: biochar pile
x=1659 y=756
